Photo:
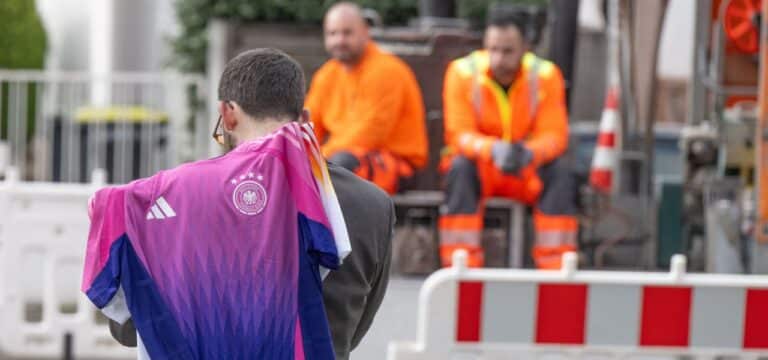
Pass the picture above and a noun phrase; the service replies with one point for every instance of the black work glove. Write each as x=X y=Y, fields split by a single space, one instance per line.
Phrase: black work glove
x=511 y=158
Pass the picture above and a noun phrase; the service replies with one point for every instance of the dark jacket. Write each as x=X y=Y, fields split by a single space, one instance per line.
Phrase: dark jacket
x=353 y=293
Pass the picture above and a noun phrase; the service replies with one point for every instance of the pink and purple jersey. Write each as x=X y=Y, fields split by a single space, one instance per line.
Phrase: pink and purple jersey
x=219 y=259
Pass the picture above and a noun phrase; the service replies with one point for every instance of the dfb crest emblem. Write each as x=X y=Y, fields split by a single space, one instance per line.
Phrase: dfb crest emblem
x=250 y=197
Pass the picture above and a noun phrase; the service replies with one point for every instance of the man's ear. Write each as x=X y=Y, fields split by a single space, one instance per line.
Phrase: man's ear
x=304 y=117
x=222 y=107
x=228 y=110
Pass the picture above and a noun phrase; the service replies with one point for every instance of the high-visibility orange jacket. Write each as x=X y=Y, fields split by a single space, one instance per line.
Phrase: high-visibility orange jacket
x=478 y=111
x=375 y=105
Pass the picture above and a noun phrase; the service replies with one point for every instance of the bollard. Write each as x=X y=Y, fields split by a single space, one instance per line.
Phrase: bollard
x=460 y=260
x=99 y=177
x=12 y=176
x=677 y=266
x=570 y=264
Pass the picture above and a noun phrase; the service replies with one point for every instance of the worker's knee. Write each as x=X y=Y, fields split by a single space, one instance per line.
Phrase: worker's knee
x=462 y=187
x=462 y=168
x=346 y=160
x=560 y=193
x=555 y=170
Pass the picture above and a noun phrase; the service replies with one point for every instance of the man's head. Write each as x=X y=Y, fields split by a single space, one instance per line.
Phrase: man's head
x=259 y=86
x=346 y=32
x=506 y=44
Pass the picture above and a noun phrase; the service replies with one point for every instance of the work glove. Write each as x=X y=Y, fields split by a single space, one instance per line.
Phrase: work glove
x=510 y=158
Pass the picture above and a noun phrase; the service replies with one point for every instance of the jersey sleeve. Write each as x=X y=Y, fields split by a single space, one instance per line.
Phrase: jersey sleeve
x=327 y=194
x=322 y=224
x=318 y=242
x=106 y=242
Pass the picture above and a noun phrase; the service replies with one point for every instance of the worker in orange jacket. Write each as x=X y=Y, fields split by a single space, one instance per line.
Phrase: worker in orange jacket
x=506 y=126
x=366 y=105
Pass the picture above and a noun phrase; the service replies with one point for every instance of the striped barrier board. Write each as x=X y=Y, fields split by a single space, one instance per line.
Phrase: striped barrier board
x=490 y=313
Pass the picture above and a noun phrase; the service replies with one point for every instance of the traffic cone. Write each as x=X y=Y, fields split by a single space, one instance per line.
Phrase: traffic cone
x=605 y=162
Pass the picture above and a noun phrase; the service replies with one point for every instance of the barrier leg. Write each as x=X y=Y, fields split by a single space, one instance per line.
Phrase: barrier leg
x=67 y=351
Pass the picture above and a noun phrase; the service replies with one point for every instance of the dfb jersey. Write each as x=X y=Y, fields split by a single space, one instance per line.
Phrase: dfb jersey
x=220 y=258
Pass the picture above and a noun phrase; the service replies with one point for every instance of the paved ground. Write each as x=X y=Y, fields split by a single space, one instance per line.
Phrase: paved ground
x=396 y=319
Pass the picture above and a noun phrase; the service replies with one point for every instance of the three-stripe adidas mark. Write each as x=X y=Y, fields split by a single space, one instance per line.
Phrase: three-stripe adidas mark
x=160 y=210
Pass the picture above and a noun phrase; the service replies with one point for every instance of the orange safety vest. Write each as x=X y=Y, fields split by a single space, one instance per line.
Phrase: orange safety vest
x=479 y=112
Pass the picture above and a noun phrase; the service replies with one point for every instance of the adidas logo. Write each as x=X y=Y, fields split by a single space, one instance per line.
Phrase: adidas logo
x=160 y=210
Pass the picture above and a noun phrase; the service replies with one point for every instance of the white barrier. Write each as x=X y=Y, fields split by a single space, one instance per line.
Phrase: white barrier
x=3 y=157
x=524 y=314
x=48 y=223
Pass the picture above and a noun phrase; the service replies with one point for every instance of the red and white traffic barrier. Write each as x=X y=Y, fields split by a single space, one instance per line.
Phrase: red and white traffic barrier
x=605 y=161
x=497 y=312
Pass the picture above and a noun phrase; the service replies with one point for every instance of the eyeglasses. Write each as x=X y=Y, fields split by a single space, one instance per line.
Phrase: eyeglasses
x=218 y=133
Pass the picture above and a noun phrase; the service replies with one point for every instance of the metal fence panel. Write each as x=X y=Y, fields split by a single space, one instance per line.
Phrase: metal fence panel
x=61 y=126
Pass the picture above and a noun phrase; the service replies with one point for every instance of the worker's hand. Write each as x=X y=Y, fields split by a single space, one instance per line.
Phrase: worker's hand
x=511 y=158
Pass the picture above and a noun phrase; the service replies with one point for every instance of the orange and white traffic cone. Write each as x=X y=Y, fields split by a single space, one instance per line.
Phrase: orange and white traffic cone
x=605 y=161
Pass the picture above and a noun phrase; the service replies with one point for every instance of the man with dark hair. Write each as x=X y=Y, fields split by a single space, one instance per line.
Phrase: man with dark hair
x=265 y=85
x=261 y=91
x=366 y=104
x=275 y=91
x=506 y=126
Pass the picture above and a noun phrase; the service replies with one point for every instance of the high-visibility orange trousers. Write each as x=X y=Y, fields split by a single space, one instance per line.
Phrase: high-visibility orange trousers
x=551 y=189
x=377 y=166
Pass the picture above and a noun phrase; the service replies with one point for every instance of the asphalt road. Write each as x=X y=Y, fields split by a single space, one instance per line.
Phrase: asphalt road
x=396 y=319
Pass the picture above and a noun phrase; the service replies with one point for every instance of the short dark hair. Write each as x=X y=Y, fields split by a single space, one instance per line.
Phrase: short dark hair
x=265 y=83
x=504 y=15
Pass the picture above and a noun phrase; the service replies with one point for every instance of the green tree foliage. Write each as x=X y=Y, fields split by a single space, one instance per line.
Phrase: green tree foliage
x=22 y=37
x=22 y=46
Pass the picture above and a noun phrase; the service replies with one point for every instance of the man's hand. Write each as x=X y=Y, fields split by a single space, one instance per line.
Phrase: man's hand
x=510 y=158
